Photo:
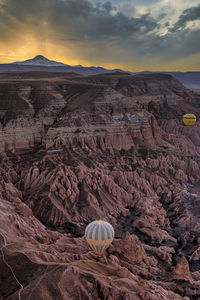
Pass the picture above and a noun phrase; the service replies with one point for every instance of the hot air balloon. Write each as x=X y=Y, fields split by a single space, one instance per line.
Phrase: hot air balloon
x=189 y=120
x=99 y=235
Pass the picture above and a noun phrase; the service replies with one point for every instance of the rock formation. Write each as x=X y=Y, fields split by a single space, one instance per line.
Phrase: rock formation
x=75 y=149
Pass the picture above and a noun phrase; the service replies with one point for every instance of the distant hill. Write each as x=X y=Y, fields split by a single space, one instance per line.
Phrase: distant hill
x=39 y=60
x=36 y=75
x=189 y=79
x=42 y=64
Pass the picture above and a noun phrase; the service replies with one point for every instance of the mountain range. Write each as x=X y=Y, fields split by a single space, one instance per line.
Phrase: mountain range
x=39 y=60
x=41 y=63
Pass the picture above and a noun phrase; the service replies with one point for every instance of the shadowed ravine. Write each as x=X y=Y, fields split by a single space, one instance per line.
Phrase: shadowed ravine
x=106 y=147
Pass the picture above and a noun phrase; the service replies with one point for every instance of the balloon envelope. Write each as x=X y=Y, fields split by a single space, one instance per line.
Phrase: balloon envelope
x=189 y=120
x=99 y=235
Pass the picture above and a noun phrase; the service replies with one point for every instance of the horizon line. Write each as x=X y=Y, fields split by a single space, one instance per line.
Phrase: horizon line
x=90 y=66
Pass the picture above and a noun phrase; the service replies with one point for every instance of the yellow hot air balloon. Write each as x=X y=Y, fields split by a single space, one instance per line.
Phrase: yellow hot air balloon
x=99 y=235
x=189 y=120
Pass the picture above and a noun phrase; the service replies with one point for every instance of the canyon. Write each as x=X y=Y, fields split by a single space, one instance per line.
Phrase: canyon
x=111 y=146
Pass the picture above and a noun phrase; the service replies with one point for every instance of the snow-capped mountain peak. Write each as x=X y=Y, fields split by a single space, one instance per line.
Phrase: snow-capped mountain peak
x=40 y=60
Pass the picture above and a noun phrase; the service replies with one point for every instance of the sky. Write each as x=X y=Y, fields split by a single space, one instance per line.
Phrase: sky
x=133 y=35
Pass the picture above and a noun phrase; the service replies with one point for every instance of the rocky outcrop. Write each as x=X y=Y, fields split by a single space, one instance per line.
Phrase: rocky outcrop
x=182 y=272
x=92 y=110
x=103 y=147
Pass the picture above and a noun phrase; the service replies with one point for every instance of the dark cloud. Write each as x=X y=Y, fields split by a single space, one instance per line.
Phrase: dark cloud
x=161 y=16
x=190 y=14
x=97 y=22
x=78 y=17
x=98 y=31
x=177 y=44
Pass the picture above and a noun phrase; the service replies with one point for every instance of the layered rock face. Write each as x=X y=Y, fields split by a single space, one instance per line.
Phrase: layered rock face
x=106 y=147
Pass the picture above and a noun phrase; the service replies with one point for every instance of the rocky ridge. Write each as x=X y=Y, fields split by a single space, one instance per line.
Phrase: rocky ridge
x=111 y=147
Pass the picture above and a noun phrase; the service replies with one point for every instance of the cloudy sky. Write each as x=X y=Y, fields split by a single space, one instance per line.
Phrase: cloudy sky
x=133 y=35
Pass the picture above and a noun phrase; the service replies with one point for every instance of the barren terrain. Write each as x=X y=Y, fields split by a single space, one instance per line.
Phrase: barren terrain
x=112 y=147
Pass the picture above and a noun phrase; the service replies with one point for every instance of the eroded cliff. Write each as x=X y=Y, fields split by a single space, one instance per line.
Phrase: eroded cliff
x=84 y=148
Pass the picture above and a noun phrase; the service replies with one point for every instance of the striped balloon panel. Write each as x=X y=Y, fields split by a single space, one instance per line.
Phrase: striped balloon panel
x=98 y=249
x=99 y=232
x=189 y=120
x=99 y=235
